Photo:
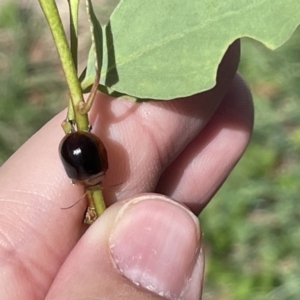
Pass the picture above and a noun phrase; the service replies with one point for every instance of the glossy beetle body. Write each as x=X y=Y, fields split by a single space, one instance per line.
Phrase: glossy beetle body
x=84 y=158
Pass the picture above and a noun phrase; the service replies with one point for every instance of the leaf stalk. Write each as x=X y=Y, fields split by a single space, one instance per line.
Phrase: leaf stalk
x=52 y=15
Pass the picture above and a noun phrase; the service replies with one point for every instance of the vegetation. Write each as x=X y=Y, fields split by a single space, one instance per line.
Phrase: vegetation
x=251 y=227
x=31 y=85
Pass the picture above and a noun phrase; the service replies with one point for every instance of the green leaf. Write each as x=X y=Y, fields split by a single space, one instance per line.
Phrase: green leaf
x=106 y=7
x=164 y=49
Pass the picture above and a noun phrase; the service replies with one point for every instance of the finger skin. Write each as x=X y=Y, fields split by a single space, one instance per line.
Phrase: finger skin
x=36 y=235
x=91 y=273
x=142 y=140
x=195 y=176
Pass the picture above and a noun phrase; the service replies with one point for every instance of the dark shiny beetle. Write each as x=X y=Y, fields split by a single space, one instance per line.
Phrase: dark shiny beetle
x=84 y=158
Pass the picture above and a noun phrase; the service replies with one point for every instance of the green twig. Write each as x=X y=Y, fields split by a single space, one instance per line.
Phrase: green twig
x=73 y=12
x=98 y=200
x=73 y=8
x=51 y=13
x=96 y=204
x=85 y=108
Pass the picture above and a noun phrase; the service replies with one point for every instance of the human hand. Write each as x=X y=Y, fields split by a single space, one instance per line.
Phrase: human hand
x=183 y=149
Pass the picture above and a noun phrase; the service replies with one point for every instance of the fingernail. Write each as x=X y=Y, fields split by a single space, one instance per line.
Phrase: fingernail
x=155 y=243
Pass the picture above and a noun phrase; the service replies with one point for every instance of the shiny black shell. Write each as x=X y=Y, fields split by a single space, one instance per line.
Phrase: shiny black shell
x=84 y=157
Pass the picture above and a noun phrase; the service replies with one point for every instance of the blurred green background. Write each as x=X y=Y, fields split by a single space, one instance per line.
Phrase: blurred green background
x=251 y=227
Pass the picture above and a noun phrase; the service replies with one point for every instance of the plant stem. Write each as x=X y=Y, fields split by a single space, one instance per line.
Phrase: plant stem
x=73 y=8
x=67 y=126
x=96 y=204
x=51 y=13
x=85 y=108
x=73 y=11
x=98 y=200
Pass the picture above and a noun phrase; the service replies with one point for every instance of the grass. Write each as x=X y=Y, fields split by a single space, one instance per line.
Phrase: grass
x=251 y=227
x=31 y=83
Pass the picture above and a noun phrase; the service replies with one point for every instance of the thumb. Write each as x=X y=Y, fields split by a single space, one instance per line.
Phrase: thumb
x=148 y=247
